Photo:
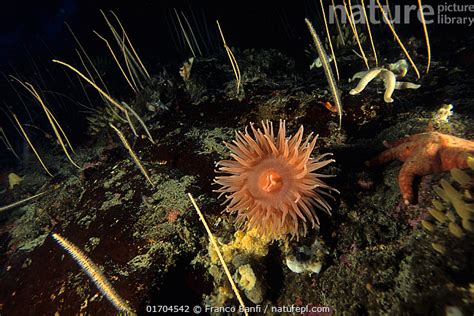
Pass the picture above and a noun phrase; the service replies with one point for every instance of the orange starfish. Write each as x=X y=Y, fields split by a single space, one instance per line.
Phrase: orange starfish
x=423 y=154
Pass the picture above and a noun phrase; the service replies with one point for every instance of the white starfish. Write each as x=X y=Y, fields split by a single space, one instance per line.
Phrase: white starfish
x=389 y=78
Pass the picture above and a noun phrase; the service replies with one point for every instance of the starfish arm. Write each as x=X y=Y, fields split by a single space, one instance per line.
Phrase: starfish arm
x=390 y=83
x=400 y=66
x=411 y=168
x=359 y=75
x=401 y=85
x=384 y=157
x=365 y=81
x=403 y=72
x=465 y=144
x=423 y=154
x=408 y=139
x=405 y=182
x=454 y=157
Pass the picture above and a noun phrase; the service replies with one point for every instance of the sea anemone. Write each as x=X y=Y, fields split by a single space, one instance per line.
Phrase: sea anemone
x=270 y=182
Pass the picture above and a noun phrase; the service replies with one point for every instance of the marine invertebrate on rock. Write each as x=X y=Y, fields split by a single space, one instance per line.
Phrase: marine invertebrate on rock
x=52 y=120
x=136 y=69
x=327 y=69
x=442 y=115
x=389 y=78
x=458 y=195
x=427 y=38
x=122 y=108
x=94 y=274
x=132 y=154
x=233 y=61
x=99 y=120
x=346 y=37
x=253 y=286
x=245 y=253
x=248 y=242
x=219 y=254
x=370 y=33
x=31 y=145
x=400 y=68
x=247 y=277
x=352 y=23
x=455 y=208
x=329 y=39
x=18 y=203
x=423 y=154
x=307 y=258
x=271 y=183
x=185 y=69
x=14 y=180
x=390 y=25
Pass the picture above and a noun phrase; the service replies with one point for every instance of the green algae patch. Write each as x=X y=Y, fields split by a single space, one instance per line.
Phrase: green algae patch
x=113 y=199
x=211 y=141
x=162 y=224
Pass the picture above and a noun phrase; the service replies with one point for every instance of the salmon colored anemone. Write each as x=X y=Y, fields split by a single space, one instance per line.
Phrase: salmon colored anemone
x=271 y=182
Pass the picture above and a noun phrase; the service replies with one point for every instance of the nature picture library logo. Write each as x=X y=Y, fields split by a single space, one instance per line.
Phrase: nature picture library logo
x=446 y=13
